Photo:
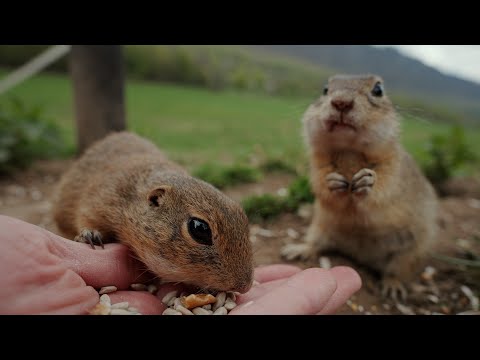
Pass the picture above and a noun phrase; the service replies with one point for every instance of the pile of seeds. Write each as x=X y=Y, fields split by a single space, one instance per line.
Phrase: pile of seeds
x=105 y=306
x=199 y=304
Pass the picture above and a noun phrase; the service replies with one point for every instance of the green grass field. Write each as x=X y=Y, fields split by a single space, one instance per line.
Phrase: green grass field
x=195 y=126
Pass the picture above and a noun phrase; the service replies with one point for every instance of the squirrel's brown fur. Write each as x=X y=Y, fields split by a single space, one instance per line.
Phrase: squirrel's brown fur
x=385 y=216
x=126 y=189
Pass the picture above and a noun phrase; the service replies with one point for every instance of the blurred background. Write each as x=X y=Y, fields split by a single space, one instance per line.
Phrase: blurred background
x=225 y=104
x=231 y=115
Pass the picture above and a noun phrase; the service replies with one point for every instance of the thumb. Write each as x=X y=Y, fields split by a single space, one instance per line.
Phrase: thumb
x=114 y=265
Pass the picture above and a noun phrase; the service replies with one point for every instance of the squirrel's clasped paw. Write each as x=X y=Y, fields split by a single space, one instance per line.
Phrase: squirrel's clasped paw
x=363 y=181
x=92 y=237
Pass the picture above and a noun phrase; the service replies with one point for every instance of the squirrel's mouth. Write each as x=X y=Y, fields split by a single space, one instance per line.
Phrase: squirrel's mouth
x=339 y=125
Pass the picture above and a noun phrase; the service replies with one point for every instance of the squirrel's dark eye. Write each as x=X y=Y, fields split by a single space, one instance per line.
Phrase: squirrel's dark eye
x=325 y=90
x=200 y=231
x=377 y=89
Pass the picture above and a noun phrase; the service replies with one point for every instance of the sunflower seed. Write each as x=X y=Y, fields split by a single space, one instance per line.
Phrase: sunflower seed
x=119 y=312
x=220 y=311
x=200 y=311
x=166 y=299
x=120 y=305
x=229 y=304
x=107 y=290
x=105 y=299
x=139 y=287
x=170 y=311
x=220 y=300
x=152 y=289
x=183 y=310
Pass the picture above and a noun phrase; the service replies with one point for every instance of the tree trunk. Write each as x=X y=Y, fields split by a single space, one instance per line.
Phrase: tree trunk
x=98 y=82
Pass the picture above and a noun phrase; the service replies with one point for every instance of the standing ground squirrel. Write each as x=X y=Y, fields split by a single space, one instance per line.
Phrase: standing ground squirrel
x=372 y=202
x=123 y=189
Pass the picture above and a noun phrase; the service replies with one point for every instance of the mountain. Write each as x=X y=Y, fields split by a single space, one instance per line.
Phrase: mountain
x=401 y=73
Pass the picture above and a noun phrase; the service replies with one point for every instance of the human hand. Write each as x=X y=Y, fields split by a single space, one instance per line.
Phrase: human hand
x=46 y=274
x=42 y=273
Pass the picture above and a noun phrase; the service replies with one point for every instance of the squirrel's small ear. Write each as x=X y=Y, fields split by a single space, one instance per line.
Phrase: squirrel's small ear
x=156 y=194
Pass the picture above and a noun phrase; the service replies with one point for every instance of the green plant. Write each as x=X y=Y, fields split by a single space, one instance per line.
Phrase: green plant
x=25 y=135
x=263 y=207
x=221 y=176
x=277 y=165
x=268 y=206
x=447 y=154
x=299 y=192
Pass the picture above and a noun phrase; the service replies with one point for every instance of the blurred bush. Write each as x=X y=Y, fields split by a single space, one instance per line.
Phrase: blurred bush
x=214 y=67
x=268 y=206
x=223 y=176
x=299 y=192
x=263 y=207
x=25 y=135
x=447 y=154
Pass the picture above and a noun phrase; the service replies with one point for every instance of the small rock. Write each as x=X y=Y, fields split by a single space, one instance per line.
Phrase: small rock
x=305 y=211
x=474 y=302
x=386 y=306
x=463 y=243
x=474 y=203
x=405 y=310
x=445 y=309
x=36 y=195
x=292 y=233
x=17 y=191
x=469 y=312
x=422 y=311
x=265 y=233
x=418 y=288
x=282 y=192
x=428 y=273
x=434 y=299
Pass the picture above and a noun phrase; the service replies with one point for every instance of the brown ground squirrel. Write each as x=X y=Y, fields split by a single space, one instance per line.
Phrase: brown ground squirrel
x=372 y=202
x=124 y=189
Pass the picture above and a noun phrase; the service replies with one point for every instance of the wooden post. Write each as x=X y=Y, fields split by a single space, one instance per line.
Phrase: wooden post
x=98 y=83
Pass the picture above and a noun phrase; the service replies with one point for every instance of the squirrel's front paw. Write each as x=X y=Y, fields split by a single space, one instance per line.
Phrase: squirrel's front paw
x=297 y=251
x=92 y=237
x=393 y=288
x=363 y=181
x=337 y=182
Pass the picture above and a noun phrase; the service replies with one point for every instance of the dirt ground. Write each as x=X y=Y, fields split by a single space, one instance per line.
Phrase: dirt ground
x=442 y=288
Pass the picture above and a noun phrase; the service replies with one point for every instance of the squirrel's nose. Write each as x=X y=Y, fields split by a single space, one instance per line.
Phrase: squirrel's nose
x=243 y=287
x=343 y=105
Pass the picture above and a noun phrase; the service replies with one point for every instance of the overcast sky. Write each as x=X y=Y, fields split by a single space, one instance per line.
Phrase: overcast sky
x=459 y=60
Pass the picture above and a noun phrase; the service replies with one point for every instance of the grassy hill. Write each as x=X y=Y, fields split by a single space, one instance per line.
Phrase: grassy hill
x=247 y=69
x=196 y=126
